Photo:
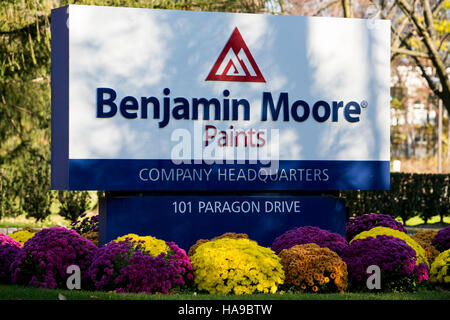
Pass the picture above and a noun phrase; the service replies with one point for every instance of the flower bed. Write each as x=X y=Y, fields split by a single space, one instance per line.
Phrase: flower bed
x=309 y=259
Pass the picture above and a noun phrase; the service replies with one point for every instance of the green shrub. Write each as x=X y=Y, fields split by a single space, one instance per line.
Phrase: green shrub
x=73 y=204
x=411 y=194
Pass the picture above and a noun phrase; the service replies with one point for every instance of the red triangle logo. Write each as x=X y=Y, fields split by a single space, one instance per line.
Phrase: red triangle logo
x=235 y=63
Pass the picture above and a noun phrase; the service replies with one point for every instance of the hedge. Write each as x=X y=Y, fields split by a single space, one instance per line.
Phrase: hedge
x=411 y=194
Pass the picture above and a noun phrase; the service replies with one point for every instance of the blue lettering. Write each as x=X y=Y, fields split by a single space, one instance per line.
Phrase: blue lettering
x=101 y=102
x=326 y=108
x=181 y=110
x=350 y=109
x=189 y=109
x=129 y=103
x=294 y=112
x=144 y=102
x=283 y=101
x=336 y=106
x=245 y=104
x=206 y=104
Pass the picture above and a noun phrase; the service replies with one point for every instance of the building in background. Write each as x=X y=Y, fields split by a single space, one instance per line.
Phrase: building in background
x=414 y=115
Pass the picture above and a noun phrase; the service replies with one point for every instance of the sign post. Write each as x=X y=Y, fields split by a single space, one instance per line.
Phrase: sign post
x=199 y=123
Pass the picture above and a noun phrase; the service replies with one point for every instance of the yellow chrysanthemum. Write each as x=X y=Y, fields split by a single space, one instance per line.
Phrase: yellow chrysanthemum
x=92 y=236
x=238 y=266
x=22 y=236
x=230 y=235
x=152 y=245
x=440 y=268
x=420 y=252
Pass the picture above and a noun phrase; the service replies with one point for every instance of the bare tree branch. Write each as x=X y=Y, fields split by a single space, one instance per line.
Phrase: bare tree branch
x=428 y=79
x=428 y=17
x=410 y=53
x=429 y=43
x=326 y=6
x=437 y=7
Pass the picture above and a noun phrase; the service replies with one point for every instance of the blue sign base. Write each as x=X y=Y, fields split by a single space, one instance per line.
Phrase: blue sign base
x=184 y=219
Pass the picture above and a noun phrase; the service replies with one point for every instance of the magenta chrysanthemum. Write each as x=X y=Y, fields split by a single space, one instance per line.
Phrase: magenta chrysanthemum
x=304 y=235
x=9 y=248
x=125 y=266
x=395 y=258
x=44 y=259
x=441 y=240
x=368 y=221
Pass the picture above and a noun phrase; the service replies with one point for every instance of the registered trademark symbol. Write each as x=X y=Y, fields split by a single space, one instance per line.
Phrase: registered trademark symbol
x=364 y=104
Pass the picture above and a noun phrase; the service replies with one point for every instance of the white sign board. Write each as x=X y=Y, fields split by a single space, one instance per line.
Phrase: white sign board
x=147 y=99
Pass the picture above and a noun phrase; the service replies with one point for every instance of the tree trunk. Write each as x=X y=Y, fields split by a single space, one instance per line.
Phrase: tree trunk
x=348 y=8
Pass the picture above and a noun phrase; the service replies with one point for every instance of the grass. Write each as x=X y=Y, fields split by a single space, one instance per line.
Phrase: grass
x=427 y=165
x=416 y=221
x=22 y=222
x=415 y=224
x=54 y=219
x=15 y=292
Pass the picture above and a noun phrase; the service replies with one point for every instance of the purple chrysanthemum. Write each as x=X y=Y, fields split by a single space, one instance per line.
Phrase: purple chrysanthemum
x=124 y=266
x=368 y=221
x=9 y=248
x=304 y=235
x=44 y=259
x=86 y=224
x=395 y=258
x=441 y=240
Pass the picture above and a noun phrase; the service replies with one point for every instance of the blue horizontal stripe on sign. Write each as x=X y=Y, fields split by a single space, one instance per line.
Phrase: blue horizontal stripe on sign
x=142 y=175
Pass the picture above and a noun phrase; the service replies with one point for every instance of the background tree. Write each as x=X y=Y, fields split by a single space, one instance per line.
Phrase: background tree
x=24 y=108
x=420 y=32
x=419 y=40
x=73 y=204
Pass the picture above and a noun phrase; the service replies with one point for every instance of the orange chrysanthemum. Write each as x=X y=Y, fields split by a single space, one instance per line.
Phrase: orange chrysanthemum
x=311 y=266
